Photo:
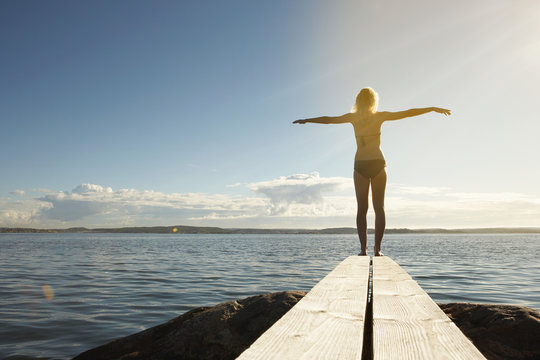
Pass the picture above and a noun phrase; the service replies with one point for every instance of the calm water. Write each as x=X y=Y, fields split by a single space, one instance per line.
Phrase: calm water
x=61 y=294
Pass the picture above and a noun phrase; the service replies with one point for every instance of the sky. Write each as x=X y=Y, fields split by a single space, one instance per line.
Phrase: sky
x=141 y=113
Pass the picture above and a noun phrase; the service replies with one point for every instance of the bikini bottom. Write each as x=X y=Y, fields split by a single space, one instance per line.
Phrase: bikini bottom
x=369 y=168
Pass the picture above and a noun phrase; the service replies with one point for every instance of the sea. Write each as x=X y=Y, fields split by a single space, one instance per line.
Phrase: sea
x=62 y=294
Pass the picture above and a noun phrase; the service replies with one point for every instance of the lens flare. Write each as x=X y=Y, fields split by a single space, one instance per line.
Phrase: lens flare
x=174 y=230
x=48 y=292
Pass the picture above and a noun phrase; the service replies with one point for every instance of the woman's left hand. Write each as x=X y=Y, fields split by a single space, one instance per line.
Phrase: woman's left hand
x=301 y=121
x=442 y=111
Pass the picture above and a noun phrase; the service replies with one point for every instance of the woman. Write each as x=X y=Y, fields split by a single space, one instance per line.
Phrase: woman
x=369 y=162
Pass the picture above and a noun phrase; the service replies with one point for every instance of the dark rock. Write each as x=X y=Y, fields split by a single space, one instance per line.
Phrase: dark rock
x=498 y=331
x=219 y=332
x=224 y=331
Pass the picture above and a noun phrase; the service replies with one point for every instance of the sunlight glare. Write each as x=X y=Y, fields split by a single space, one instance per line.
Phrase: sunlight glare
x=47 y=292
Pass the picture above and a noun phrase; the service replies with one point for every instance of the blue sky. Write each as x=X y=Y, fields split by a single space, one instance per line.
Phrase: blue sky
x=179 y=112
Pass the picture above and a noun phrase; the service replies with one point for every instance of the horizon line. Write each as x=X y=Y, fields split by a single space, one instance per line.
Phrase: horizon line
x=183 y=229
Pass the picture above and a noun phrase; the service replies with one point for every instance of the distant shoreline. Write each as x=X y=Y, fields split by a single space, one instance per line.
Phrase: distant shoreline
x=181 y=229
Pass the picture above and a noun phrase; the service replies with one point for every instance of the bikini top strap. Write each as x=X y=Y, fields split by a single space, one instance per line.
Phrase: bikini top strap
x=368 y=135
x=365 y=136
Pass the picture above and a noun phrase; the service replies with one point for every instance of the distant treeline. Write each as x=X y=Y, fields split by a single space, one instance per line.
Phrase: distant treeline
x=181 y=229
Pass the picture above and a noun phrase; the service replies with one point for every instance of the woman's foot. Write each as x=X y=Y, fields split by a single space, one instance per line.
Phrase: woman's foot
x=378 y=253
x=362 y=253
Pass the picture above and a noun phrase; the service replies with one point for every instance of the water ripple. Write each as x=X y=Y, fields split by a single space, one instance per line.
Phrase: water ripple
x=61 y=294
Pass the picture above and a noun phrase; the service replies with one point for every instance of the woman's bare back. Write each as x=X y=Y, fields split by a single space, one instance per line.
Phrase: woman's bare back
x=367 y=130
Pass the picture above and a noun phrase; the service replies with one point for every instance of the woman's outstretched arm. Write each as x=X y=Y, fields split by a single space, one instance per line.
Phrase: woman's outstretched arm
x=412 y=112
x=327 y=119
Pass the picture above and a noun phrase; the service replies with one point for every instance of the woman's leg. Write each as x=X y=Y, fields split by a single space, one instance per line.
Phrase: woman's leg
x=361 y=186
x=378 y=187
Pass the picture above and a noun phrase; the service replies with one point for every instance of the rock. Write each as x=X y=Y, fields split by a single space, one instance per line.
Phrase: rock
x=498 y=331
x=223 y=331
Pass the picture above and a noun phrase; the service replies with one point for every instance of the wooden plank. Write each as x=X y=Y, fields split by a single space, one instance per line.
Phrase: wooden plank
x=327 y=323
x=408 y=324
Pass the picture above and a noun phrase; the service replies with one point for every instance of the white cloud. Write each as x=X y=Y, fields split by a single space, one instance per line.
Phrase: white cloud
x=298 y=189
x=418 y=190
x=217 y=216
x=14 y=217
x=18 y=192
x=19 y=213
x=444 y=208
x=293 y=196
x=91 y=188
x=299 y=200
x=87 y=200
x=69 y=207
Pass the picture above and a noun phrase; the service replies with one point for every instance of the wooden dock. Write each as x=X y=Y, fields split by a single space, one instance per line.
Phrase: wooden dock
x=364 y=310
x=327 y=323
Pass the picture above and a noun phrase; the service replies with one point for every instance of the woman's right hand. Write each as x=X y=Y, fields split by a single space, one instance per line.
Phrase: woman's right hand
x=301 y=121
x=441 y=110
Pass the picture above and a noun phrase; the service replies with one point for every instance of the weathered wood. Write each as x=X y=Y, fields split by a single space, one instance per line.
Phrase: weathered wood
x=328 y=323
x=407 y=324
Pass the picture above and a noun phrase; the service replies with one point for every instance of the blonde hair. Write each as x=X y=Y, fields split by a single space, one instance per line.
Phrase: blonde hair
x=367 y=100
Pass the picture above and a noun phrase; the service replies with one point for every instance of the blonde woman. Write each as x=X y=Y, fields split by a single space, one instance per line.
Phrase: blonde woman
x=369 y=162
